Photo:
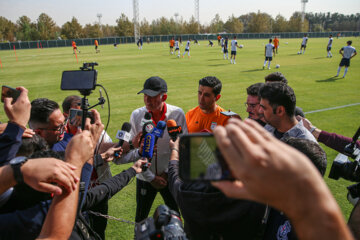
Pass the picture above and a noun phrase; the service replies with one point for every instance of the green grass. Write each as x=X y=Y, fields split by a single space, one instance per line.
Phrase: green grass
x=123 y=71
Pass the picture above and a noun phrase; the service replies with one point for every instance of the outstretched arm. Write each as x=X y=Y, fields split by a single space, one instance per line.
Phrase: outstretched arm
x=259 y=162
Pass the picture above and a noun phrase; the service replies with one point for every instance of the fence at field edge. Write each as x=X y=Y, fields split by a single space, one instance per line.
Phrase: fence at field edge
x=164 y=38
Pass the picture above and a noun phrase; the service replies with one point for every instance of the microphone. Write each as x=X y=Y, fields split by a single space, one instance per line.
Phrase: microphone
x=173 y=129
x=123 y=135
x=159 y=130
x=148 y=149
x=146 y=119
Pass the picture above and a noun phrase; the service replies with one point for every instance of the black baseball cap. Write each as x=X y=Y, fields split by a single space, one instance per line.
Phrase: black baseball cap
x=153 y=86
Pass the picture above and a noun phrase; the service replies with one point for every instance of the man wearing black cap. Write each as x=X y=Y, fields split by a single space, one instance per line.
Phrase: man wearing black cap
x=155 y=178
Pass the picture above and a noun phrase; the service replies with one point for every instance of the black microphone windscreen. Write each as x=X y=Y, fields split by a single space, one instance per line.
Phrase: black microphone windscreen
x=147 y=116
x=126 y=127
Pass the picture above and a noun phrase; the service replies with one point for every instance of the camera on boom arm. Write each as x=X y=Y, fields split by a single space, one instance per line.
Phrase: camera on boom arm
x=83 y=80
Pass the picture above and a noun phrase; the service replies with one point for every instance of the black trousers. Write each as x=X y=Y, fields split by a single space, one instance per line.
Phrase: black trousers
x=145 y=195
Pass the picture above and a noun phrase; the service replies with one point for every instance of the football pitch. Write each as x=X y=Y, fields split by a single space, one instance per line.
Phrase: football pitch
x=123 y=70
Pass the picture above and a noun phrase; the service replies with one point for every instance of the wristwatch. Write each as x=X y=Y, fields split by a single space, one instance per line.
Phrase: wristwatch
x=16 y=164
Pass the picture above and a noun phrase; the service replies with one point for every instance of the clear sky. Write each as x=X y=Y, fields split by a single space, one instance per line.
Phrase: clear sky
x=86 y=11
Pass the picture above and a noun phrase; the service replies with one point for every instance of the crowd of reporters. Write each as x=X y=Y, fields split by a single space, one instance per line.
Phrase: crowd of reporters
x=277 y=190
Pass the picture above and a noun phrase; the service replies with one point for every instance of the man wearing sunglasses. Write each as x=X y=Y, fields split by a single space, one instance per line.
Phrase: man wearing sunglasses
x=47 y=121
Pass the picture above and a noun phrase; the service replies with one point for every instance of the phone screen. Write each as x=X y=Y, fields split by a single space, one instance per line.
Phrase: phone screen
x=9 y=92
x=200 y=159
x=78 y=80
x=75 y=117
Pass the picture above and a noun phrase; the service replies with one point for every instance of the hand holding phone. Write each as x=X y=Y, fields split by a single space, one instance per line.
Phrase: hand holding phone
x=201 y=160
x=18 y=111
x=9 y=92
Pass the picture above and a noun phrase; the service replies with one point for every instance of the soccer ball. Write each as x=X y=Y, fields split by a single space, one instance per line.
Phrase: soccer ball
x=241 y=46
x=298 y=53
x=277 y=66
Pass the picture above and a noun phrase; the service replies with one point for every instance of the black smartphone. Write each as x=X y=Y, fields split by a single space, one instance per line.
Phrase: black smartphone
x=7 y=92
x=75 y=117
x=78 y=80
x=229 y=113
x=201 y=160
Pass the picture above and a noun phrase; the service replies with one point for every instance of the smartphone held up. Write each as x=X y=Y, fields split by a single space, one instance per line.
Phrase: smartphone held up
x=200 y=159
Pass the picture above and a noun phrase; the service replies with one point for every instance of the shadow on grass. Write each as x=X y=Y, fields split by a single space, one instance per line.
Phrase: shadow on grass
x=255 y=70
x=216 y=65
x=214 y=59
x=331 y=79
x=319 y=58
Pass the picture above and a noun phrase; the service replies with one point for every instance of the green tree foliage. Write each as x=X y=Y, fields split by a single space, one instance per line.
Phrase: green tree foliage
x=124 y=26
x=192 y=27
x=216 y=25
x=27 y=30
x=72 y=30
x=92 y=31
x=7 y=30
x=280 y=24
x=233 y=25
x=296 y=25
x=260 y=23
x=46 y=27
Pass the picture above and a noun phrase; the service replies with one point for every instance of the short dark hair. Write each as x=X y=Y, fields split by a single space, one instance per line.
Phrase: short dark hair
x=270 y=40
x=279 y=94
x=349 y=42
x=69 y=101
x=254 y=89
x=212 y=82
x=31 y=145
x=311 y=149
x=276 y=77
x=41 y=109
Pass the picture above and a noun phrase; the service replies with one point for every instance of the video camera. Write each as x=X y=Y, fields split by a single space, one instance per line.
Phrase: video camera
x=165 y=224
x=344 y=168
x=349 y=170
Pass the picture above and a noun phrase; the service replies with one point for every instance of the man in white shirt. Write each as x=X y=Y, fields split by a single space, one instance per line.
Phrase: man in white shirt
x=269 y=51
x=328 y=48
x=177 y=47
x=347 y=52
x=154 y=180
x=234 y=45
x=303 y=44
x=187 y=48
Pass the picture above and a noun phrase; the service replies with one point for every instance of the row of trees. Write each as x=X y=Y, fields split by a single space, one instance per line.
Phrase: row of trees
x=44 y=28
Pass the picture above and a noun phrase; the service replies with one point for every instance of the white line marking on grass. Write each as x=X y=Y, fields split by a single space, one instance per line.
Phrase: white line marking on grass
x=332 y=108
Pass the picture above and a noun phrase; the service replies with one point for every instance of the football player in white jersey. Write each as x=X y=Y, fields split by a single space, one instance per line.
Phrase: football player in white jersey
x=177 y=47
x=269 y=52
x=347 y=52
x=303 y=43
x=234 y=45
x=328 y=48
x=187 y=48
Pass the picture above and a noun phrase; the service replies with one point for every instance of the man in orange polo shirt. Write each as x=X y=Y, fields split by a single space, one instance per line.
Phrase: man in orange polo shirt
x=207 y=115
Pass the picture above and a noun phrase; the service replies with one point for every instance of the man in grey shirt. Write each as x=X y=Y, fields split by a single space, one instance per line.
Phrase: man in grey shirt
x=277 y=104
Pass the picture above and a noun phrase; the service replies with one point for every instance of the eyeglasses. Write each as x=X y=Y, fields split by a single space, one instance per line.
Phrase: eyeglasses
x=60 y=129
x=251 y=105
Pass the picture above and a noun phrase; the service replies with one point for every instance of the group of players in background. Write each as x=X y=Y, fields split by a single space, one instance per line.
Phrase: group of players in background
x=271 y=49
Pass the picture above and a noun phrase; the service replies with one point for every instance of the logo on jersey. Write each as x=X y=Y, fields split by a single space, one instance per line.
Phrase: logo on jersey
x=283 y=230
x=213 y=125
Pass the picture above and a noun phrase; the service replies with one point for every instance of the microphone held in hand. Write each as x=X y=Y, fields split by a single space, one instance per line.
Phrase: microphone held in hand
x=148 y=149
x=123 y=135
x=173 y=129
